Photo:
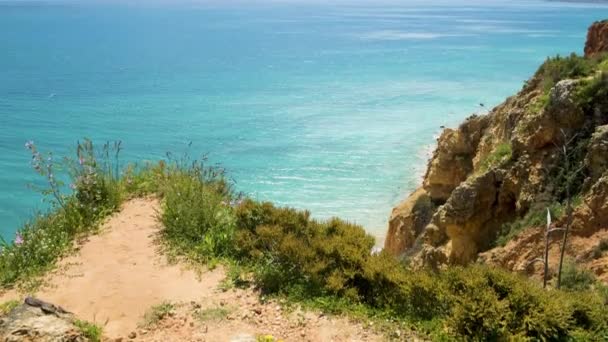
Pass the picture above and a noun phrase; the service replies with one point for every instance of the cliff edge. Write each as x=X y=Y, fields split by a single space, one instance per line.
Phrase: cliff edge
x=489 y=178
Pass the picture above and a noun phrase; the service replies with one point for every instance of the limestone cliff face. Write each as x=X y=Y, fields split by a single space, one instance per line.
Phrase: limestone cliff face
x=498 y=167
x=597 y=38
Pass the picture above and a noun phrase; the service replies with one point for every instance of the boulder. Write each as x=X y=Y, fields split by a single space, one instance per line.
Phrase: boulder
x=39 y=321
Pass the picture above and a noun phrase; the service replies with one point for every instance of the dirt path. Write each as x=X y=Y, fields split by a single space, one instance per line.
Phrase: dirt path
x=118 y=275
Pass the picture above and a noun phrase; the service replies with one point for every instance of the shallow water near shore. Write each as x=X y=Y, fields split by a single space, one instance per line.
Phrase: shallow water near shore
x=331 y=108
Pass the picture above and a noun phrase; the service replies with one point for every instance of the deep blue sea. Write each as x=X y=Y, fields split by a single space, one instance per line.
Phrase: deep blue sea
x=332 y=107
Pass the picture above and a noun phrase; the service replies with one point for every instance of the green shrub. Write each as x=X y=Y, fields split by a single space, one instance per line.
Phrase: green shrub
x=490 y=302
x=599 y=250
x=592 y=96
x=575 y=278
x=144 y=180
x=91 y=331
x=196 y=213
x=389 y=285
x=603 y=66
x=288 y=248
x=558 y=68
x=96 y=182
x=501 y=153
x=538 y=103
x=157 y=313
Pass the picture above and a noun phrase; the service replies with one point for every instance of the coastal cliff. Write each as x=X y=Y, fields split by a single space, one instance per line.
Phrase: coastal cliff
x=490 y=176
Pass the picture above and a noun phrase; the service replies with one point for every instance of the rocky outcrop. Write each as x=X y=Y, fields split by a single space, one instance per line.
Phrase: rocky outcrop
x=597 y=39
x=592 y=215
x=452 y=160
x=596 y=160
x=496 y=168
x=35 y=320
x=408 y=220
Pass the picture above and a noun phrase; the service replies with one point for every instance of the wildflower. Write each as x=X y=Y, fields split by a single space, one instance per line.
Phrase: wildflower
x=29 y=144
x=18 y=239
x=73 y=186
x=81 y=161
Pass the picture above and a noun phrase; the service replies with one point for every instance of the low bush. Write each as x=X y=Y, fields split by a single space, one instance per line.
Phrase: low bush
x=599 y=250
x=538 y=104
x=575 y=278
x=557 y=68
x=592 y=96
x=288 y=247
x=91 y=331
x=196 y=213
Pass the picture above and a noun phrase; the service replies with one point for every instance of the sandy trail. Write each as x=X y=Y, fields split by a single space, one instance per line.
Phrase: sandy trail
x=118 y=275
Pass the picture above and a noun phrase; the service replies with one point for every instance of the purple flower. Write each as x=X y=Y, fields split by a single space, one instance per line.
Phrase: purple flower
x=18 y=239
x=81 y=161
x=29 y=144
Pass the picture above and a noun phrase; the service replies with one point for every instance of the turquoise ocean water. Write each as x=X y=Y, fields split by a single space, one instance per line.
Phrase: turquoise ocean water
x=330 y=107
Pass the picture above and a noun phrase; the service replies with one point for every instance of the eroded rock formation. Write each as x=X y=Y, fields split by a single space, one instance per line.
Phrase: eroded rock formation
x=597 y=39
x=496 y=168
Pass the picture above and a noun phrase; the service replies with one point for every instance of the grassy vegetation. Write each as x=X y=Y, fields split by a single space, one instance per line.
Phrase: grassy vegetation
x=6 y=307
x=156 y=313
x=501 y=153
x=539 y=103
x=327 y=264
x=212 y=314
x=558 y=68
x=603 y=66
x=91 y=331
x=575 y=278
x=599 y=250
x=593 y=94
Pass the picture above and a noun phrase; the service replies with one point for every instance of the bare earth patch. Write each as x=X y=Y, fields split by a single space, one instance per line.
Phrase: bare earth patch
x=119 y=275
x=529 y=245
